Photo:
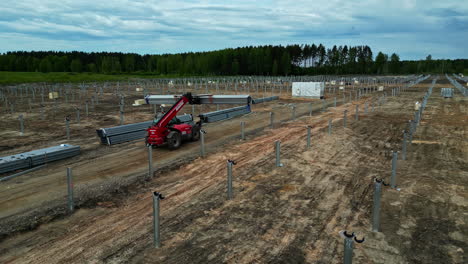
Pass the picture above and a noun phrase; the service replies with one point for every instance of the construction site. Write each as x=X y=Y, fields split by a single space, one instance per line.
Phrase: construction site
x=372 y=169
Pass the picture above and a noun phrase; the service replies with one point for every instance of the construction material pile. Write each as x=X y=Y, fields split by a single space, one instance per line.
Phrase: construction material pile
x=37 y=157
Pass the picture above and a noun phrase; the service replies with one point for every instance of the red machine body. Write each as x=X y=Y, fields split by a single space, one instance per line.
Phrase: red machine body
x=170 y=130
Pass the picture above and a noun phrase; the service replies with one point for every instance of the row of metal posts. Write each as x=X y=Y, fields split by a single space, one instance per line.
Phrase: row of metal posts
x=157 y=196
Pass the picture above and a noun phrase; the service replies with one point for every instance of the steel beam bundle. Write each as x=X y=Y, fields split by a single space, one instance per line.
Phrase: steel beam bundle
x=37 y=157
x=130 y=132
x=446 y=92
x=224 y=114
x=264 y=99
x=204 y=99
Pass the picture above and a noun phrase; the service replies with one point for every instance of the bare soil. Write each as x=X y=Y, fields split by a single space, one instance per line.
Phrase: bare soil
x=289 y=214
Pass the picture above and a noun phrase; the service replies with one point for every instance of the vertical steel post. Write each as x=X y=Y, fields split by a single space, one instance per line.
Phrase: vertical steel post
x=348 y=250
x=242 y=123
x=310 y=109
x=323 y=105
x=293 y=112
x=272 y=117
x=334 y=103
x=376 y=210
x=394 y=167
x=412 y=130
x=70 y=190
x=202 y=143
x=357 y=113
x=403 y=155
x=156 y=225
x=121 y=117
x=329 y=126
x=78 y=115
x=344 y=117
x=86 y=109
x=308 y=136
x=150 y=161
x=67 y=125
x=277 y=151
x=21 y=120
x=365 y=107
x=229 y=179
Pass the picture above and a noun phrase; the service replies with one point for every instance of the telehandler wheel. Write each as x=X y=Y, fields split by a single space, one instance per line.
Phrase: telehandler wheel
x=195 y=133
x=174 y=139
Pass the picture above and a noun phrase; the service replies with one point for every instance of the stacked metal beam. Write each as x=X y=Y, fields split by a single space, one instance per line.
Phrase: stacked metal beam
x=130 y=132
x=446 y=92
x=224 y=114
x=204 y=99
x=264 y=99
x=37 y=157
x=120 y=134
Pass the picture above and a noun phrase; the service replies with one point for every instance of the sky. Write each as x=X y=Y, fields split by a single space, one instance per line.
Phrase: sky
x=411 y=28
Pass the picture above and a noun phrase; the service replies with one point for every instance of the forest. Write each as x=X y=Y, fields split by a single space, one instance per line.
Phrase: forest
x=252 y=60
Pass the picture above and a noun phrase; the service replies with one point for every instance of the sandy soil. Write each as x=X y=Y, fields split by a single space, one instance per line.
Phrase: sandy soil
x=290 y=214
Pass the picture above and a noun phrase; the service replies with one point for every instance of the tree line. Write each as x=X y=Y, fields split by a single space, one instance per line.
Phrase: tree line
x=252 y=60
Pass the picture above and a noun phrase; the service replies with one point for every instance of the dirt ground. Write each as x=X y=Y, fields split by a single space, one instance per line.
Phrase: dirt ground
x=290 y=214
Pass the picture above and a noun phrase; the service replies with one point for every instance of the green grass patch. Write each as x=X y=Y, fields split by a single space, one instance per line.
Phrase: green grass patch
x=52 y=77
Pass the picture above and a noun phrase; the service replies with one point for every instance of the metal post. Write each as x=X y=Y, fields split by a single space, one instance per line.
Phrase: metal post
x=344 y=117
x=229 y=178
x=412 y=130
x=70 y=190
x=394 y=167
x=242 y=130
x=334 y=104
x=67 y=124
x=293 y=112
x=365 y=108
x=310 y=109
x=150 y=161
x=357 y=113
x=21 y=124
x=403 y=155
x=329 y=126
x=323 y=105
x=78 y=115
x=121 y=117
x=202 y=143
x=272 y=117
x=348 y=250
x=308 y=136
x=156 y=232
x=277 y=151
x=86 y=109
x=376 y=210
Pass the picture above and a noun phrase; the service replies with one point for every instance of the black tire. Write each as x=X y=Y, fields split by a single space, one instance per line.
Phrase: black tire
x=195 y=133
x=174 y=139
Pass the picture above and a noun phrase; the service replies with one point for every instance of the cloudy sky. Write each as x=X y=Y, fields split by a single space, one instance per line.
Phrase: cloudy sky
x=411 y=28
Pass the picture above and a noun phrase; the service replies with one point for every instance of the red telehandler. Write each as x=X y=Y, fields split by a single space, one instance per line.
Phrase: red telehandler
x=171 y=129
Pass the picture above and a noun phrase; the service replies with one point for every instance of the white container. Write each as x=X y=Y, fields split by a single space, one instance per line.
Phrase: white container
x=380 y=88
x=308 y=89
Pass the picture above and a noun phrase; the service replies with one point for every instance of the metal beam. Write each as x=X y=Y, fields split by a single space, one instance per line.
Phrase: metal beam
x=204 y=99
